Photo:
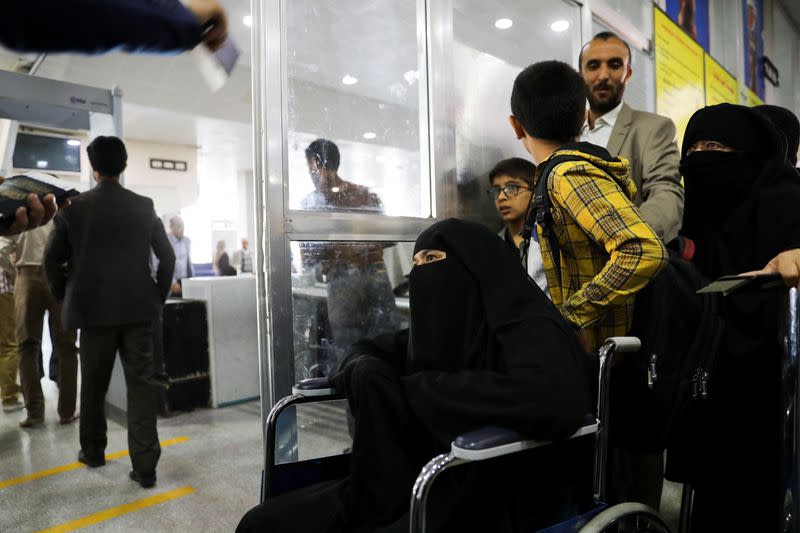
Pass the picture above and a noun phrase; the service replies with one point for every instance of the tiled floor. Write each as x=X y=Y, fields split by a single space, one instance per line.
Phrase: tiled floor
x=220 y=460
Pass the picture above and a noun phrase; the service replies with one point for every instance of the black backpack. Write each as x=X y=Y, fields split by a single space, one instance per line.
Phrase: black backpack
x=656 y=395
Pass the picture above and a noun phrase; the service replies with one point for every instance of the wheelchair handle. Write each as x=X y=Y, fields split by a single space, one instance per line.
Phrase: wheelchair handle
x=625 y=344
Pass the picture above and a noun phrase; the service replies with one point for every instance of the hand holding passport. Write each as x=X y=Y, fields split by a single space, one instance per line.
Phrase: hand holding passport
x=39 y=193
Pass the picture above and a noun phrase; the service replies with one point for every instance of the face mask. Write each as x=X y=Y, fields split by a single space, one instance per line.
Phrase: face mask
x=716 y=185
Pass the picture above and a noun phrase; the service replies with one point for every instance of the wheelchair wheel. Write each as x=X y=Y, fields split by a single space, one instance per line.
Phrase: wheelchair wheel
x=627 y=518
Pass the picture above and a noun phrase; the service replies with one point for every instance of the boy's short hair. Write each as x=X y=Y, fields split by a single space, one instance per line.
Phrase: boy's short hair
x=549 y=101
x=108 y=156
x=325 y=153
x=514 y=167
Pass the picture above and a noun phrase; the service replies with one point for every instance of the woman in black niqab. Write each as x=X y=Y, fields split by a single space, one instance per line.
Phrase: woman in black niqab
x=741 y=210
x=485 y=347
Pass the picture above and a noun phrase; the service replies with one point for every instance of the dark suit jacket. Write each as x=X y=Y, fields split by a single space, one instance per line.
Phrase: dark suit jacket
x=95 y=26
x=98 y=258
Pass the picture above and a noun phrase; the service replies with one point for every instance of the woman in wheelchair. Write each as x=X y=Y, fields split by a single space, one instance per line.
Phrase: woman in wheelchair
x=485 y=347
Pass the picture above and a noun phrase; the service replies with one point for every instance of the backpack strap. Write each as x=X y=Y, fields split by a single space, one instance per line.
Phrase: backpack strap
x=539 y=212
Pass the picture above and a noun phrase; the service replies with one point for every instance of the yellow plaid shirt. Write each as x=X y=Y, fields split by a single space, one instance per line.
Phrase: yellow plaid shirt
x=607 y=253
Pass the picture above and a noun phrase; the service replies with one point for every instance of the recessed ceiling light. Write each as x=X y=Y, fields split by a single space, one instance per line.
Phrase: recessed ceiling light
x=560 y=25
x=41 y=164
x=370 y=135
x=349 y=80
x=503 y=24
x=411 y=76
x=247 y=21
x=74 y=142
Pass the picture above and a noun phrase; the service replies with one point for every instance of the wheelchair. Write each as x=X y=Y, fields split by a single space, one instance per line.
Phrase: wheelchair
x=481 y=445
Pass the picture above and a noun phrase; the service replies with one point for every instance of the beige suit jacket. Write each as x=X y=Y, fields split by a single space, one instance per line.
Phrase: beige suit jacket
x=649 y=142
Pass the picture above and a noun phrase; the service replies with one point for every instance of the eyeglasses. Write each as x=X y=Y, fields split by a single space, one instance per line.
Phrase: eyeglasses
x=510 y=190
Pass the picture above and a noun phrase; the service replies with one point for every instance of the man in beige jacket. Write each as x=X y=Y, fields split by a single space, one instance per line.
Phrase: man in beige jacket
x=646 y=140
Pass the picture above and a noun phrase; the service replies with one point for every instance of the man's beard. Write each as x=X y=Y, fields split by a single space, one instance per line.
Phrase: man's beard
x=604 y=106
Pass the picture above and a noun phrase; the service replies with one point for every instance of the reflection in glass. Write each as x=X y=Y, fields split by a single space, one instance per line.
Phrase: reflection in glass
x=330 y=190
x=312 y=431
x=491 y=57
x=343 y=292
x=355 y=80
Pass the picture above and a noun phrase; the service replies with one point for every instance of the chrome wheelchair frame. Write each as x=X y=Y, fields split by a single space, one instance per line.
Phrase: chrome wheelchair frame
x=490 y=443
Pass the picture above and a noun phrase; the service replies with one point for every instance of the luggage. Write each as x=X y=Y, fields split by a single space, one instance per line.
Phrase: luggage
x=186 y=360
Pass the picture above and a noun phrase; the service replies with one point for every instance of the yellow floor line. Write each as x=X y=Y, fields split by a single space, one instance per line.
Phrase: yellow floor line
x=74 y=466
x=114 y=512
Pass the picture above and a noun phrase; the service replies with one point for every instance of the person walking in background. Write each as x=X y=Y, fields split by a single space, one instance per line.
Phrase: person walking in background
x=113 y=301
x=32 y=298
x=182 y=247
x=222 y=263
x=242 y=258
x=9 y=358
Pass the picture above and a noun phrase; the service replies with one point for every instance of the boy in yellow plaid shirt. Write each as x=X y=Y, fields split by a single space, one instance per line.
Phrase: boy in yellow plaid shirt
x=606 y=251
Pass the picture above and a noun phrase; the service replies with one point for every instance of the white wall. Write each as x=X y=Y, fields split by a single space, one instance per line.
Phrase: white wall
x=170 y=190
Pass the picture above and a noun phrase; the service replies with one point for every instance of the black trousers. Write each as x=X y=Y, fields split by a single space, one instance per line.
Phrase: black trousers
x=518 y=493
x=99 y=347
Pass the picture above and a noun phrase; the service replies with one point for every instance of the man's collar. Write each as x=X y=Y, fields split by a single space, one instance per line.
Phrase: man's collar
x=609 y=118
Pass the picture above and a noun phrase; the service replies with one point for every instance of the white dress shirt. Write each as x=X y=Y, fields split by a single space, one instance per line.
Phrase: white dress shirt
x=535 y=266
x=602 y=128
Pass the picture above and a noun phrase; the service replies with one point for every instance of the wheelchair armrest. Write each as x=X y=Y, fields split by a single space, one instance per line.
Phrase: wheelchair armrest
x=491 y=442
x=314 y=387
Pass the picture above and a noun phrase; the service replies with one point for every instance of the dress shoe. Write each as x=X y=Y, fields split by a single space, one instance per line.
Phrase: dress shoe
x=12 y=405
x=32 y=421
x=147 y=481
x=68 y=420
x=91 y=462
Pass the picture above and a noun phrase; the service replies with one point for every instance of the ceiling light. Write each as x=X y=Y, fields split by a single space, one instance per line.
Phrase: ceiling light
x=247 y=21
x=560 y=25
x=41 y=164
x=349 y=80
x=74 y=142
x=503 y=24
x=411 y=76
x=370 y=135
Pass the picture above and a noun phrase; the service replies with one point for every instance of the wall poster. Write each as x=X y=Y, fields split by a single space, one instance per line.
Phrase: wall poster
x=721 y=86
x=680 y=87
x=692 y=17
x=753 y=45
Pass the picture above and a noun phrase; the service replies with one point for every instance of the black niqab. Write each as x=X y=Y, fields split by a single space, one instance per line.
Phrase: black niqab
x=787 y=123
x=486 y=345
x=725 y=191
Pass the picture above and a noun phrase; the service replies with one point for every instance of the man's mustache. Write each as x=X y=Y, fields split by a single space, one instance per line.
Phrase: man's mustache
x=602 y=85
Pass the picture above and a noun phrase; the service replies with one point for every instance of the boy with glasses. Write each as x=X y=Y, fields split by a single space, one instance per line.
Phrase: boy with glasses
x=511 y=190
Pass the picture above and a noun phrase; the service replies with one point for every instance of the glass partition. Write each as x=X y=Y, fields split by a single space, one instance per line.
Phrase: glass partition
x=343 y=292
x=354 y=81
x=492 y=43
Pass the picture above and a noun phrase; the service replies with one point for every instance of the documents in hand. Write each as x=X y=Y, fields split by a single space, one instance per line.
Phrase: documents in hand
x=728 y=284
x=14 y=192
x=216 y=67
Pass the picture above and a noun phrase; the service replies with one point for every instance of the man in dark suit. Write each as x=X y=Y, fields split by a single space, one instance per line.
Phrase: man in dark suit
x=98 y=262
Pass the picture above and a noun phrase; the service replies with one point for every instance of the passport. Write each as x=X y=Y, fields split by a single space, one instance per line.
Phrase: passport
x=14 y=192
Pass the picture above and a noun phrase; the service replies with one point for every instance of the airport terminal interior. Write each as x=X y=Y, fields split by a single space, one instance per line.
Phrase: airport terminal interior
x=415 y=95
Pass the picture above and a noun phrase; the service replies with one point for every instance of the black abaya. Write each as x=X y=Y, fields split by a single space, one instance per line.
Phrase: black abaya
x=486 y=347
x=739 y=219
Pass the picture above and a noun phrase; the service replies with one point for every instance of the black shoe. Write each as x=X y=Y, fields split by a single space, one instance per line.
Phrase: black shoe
x=147 y=481
x=90 y=462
